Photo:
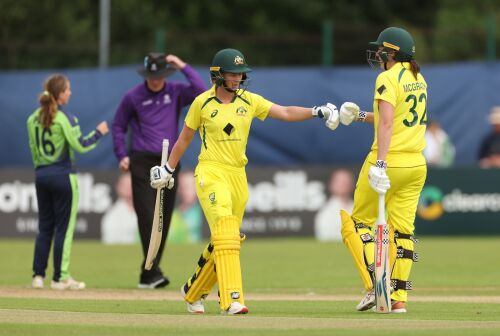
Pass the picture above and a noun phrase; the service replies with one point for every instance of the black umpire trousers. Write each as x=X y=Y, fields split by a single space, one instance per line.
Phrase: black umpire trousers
x=144 y=198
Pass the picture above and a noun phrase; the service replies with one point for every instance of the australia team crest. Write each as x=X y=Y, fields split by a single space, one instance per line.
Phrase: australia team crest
x=241 y=111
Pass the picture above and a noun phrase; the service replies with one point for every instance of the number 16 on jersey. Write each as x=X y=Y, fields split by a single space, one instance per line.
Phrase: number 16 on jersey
x=382 y=266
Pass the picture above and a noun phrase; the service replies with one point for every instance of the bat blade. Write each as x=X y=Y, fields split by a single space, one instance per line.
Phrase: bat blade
x=382 y=267
x=157 y=226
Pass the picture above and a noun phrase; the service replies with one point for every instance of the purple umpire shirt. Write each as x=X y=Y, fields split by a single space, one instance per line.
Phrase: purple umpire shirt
x=153 y=116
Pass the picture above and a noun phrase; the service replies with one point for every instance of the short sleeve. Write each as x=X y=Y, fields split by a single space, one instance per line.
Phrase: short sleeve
x=193 y=116
x=385 y=90
x=262 y=107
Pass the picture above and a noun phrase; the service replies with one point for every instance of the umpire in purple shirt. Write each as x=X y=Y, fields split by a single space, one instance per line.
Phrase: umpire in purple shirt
x=152 y=110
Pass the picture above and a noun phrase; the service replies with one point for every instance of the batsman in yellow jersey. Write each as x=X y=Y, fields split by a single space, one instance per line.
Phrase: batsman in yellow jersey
x=223 y=116
x=395 y=166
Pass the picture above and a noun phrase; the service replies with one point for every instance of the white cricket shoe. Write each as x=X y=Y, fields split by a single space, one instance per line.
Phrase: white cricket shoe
x=68 y=283
x=37 y=282
x=367 y=302
x=196 y=307
x=236 y=308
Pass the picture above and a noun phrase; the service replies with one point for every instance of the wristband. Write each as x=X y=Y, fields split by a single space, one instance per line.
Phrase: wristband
x=361 y=116
x=169 y=169
x=381 y=164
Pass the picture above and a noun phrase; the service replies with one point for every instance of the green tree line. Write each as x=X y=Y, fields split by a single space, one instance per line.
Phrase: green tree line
x=59 y=34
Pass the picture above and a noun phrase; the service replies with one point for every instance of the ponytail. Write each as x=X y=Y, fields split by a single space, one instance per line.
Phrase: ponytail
x=53 y=87
x=48 y=109
x=414 y=67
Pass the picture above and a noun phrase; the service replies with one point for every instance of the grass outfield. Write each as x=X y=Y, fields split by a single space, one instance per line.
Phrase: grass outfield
x=292 y=287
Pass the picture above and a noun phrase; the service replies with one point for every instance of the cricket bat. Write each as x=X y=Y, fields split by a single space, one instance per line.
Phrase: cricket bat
x=157 y=227
x=382 y=266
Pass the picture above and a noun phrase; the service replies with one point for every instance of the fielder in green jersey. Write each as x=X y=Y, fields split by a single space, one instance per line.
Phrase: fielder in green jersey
x=395 y=166
x=56 y=144
x=54 y=135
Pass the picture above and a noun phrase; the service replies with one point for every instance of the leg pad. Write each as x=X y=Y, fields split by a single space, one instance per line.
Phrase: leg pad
x=204 y=277
x=227 y=241
x=405 y=257
x=359 y=241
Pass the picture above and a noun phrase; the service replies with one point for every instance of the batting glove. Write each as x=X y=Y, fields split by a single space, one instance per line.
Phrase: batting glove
x=320 y=112
x=160 y=177
x=329 y=113
x=377 y=176
x=350 y=112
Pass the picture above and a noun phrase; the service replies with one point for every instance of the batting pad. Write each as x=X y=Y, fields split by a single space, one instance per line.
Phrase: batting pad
x=204 y=277
x=358 y=242
x=392 y=248
x=226 y=240
x=402 y=268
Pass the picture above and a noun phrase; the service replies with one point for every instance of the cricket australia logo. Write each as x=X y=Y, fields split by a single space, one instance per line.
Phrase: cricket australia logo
x=241 y=111
x=238 y=60
x=212 y=199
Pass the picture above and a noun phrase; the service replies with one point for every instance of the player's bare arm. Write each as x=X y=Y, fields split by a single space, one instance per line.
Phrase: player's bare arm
x=290 y=113
x=327 y=112
x=180 y=146
x=368 y=118
x=162 y=176
x=384 y=131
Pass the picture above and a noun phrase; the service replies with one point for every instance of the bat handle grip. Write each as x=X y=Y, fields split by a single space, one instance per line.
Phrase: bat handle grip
x=164 y=152
x=381 y=208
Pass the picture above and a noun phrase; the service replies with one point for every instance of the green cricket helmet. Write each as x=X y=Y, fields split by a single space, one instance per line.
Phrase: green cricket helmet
x=228 y=60
x=391 y=39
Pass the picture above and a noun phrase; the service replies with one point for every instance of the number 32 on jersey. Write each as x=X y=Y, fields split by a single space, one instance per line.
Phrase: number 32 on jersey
x=417 y=104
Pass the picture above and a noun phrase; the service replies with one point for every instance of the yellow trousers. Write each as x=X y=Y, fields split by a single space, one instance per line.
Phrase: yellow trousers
x=401 y=205
x=223 y=193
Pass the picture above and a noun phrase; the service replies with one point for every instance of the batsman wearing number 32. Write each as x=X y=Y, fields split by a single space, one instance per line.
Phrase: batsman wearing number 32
x=223 y=116
x=395 y=166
